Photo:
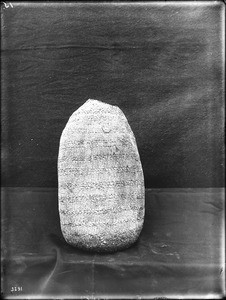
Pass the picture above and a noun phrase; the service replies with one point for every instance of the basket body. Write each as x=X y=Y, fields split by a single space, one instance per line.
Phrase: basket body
x=101 y=184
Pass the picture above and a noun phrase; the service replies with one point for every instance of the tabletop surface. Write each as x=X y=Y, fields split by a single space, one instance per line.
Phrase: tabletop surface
x=179 y=251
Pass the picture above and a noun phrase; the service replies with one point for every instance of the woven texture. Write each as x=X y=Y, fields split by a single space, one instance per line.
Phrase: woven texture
x=101 y=183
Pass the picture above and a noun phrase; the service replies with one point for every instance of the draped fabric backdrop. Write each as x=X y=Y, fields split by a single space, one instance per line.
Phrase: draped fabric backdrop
x=162 y=64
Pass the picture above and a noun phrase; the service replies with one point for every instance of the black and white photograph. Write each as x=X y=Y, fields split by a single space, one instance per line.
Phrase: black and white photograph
x=113 y=150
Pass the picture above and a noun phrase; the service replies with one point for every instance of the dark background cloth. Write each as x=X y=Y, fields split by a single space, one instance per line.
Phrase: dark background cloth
x=161 y=63
x=179 y=252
